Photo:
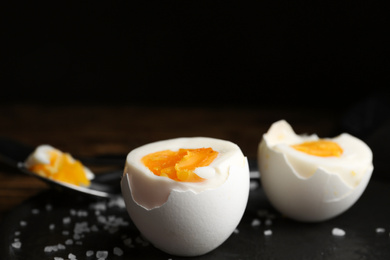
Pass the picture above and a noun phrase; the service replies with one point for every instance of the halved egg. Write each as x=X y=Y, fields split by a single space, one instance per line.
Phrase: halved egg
x=52 y=163
x=186 y=195
x=312 y=179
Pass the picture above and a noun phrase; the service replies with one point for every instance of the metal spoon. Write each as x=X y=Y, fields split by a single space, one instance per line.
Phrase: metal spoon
x=104 y=185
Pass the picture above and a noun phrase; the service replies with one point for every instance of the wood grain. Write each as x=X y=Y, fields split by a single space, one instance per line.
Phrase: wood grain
x=97 y=130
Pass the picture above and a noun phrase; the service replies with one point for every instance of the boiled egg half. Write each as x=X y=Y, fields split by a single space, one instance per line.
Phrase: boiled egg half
x=186 y=195
x=311 y=179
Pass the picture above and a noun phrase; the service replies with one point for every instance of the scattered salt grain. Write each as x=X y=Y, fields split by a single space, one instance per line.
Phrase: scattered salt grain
x=253 y=185
x=58 y=258
x=128 y=242
x=268 y=222
x=72 y=212
x=81 y=227
x=236 y=231
x=35 y=211
x=82 y=213
x=76 y=237
x=23 y=223
x=118 y=202
x=267 y=232
x=89 y=253
x=17 y=244
x=53 y=248
x=338 y=232
x=101 y=254
x=255 y=223
x=99 y=206
x=94 y=228
x=69 y=242
x=65 y=232
x=48 y=207
x=17 y=233
x=72 y=257
x=380 y=230
x=52 y=226
x=66 y=220
x=118 y=251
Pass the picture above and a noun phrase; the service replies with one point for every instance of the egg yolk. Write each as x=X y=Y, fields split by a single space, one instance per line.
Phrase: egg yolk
x=323 y=148
x=179 y=165
x=64 y=168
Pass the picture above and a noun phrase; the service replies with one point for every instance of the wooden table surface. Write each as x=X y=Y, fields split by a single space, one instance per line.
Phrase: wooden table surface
x=96 y=130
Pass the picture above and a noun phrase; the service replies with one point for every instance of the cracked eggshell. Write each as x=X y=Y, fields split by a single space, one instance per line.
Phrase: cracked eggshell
x=321 y=195
x=187 y=219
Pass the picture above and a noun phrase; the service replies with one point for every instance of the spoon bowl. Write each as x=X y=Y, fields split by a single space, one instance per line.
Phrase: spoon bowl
x=103 y=185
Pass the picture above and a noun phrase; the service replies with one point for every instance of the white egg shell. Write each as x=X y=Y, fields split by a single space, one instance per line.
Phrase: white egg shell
x=188 y=222
x=318 y=197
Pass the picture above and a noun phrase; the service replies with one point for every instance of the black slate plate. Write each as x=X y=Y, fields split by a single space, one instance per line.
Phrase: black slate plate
x=106 y=225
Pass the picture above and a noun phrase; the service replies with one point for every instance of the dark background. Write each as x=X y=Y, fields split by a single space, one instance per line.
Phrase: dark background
x=267 y=54
x=258 y=53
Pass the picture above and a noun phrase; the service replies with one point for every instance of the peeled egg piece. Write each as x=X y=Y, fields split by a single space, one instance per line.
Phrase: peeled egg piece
x=186 y=195
x=311 y=179
x=56 y=165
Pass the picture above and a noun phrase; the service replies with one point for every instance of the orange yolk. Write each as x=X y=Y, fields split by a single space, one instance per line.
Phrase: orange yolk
x=323 y=148
x=180 y=165
x=64 y=168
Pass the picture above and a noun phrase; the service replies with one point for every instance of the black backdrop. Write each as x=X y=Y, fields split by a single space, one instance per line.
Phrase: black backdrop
x=194 y=52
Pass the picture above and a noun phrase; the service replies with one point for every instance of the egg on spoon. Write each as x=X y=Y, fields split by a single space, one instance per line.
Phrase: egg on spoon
x=311 y=179
x=186 y=195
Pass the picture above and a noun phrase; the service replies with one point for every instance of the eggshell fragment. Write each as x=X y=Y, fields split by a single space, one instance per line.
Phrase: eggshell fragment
x=190 y=219
x=324 y=193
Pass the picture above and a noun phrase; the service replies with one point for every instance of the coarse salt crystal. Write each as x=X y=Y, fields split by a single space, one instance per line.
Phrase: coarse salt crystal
x=380 y=230
x=48 y=207
x=253 y=185
x=118 y=201
x=94 y=228
x=17 y=244
x=66 y=220
x=54 y=248
x=23 y=223
x=256 y=222
x=72 y=257
x=338 y=232
x=89 y=253
x=69 y=242
x=118 y=251
x=267 y=232
x=58 y=258
x=82 y=213
x=101 y=254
